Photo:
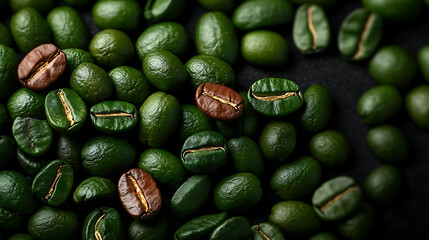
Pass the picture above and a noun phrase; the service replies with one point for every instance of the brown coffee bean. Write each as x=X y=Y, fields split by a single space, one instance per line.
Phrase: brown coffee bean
x=139 y=194
x=41 y=67
x=219 y=102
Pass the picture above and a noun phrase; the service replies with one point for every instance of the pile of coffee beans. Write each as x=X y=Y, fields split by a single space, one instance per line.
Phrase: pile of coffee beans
x=135 y=127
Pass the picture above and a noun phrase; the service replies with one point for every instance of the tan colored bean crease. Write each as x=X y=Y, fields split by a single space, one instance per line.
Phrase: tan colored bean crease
x=96 y=232
x=235 y=106
x=336 y=198
x=262 y=233
x=66 y=107
x=275 y=97
x=311 y=26
x=42 y=65
x=203 y=149
x=51 y=190
x=363 y=36
x=139 y=193
x=117 y=114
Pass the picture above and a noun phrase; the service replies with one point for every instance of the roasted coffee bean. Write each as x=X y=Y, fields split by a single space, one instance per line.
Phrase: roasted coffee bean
x=41 y=67
x=219 y=102
x=53 y=183
x=336 y=198
x=139 y=194
x=65 y=110
x=275 y=97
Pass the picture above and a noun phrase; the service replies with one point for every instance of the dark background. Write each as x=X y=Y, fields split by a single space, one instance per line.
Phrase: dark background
x=405 y=218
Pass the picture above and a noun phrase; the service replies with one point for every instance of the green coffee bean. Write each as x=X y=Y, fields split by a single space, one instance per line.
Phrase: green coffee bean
x=394 y=66
x=379 y=104
x=75 y=57
x=265 y=49
x=163 y=10
x=190 y=196
x=318 y=106
x=32 y=135
x=4 y=117
x=163 y=166
x=200 y=227
x=114 y=116
x=296 y=218
x=65 y=110
x=164 y=70
x=93 y=189
x=359 y=225
x=11 y=221
x=388 y=143
x=68 y=28
x=224 y=6
x=330 y=147
x=275 y=97
x=311 y=30
x=68 y=149
x=360 y=34
x=233 y=228
x=26 y=103
x=383 y=184
x=260 y=13
x=7 y=150
x=53 y=183
x=159 y=116
x=5 y=36
x=246 y=155
x=8 y=71
x=215 y=36
x=121 y=15
x=396 y=10
x=324 y=236
x=209 y=69
x=192 y=121
x=156 y=228
x=267 y=230
x=103 y=223
x=204 y=152
x=30 y=165
x=423 y=61
x=297 y=179
x=278 y=140
x=130 y=85
x=15 y=194
x=91 y=82
x=169 y=36
x=238 y=192
x=21 y=236
x=49 y=223
x=111 y=48
x=40 y=5
x=29 y=29
x=336 y=198
x=105 y=156
x=417 y=104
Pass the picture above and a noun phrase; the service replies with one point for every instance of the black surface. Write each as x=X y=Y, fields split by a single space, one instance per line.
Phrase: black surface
x=405 y=218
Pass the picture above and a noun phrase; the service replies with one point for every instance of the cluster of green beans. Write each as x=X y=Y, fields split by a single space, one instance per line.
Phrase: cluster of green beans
x=152 y=97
